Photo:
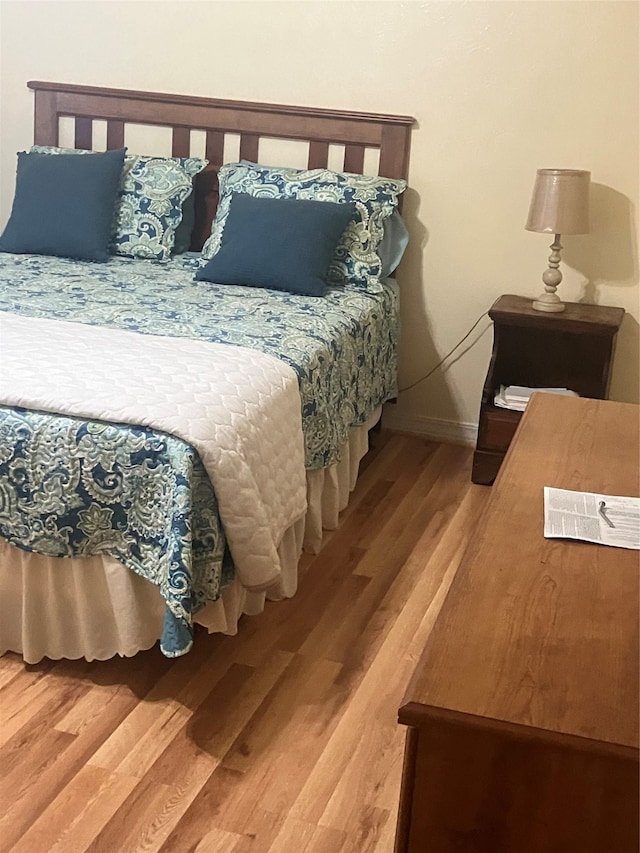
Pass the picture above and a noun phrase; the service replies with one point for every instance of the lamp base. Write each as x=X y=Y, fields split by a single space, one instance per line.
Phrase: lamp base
x=548 y=302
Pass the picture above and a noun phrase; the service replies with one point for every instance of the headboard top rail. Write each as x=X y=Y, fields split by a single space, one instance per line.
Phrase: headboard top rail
x=199 y=101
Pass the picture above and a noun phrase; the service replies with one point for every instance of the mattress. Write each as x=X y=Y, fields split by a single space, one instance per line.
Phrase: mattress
x=342 y=347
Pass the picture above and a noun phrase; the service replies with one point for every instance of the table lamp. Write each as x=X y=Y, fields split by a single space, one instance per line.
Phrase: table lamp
x=559 y=205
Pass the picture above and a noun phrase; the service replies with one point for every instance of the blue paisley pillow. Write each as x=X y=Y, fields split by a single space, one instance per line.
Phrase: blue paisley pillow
x=149 y=208
x=356 y=260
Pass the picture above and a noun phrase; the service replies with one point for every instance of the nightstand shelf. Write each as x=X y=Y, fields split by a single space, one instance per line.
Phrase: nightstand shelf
x=572 y=350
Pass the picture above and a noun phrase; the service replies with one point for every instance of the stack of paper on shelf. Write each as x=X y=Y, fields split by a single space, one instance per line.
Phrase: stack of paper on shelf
x=516 y=397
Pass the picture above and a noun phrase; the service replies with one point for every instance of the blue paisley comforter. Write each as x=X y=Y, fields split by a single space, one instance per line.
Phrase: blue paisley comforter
x=71 y=487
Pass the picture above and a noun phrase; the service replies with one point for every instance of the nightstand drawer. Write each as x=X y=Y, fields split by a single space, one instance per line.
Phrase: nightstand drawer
x=497 y=428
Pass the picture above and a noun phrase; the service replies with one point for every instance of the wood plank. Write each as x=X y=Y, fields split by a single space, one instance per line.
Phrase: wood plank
x=318 y=155
x=214 y=148
x=83 y=132
x=22 y=698
x=115 y=687
x=115 y=135
x=210 y=733
x=353 y=158
x=336 y=790
x=78 y=813
x=149 y=728
x=412 y=504
x=218 y=841
x=181 y=142
x=152 y=805
x=306 y=837
x=249 y=144
x=363 y=619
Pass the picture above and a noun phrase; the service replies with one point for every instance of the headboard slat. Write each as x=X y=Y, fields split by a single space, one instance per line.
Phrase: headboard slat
x=83 y=132
x=354 y=158
x=214 y=149
x=115 y=134
x=356 y=131
x=181 y=142
x=318 y=155
x=249 y=144
x=206 y=203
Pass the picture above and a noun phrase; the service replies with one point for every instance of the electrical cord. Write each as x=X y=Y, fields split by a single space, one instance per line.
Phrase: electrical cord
x=451 y=351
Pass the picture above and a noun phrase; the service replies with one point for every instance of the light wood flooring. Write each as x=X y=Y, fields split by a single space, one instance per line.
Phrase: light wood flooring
x=283 y=738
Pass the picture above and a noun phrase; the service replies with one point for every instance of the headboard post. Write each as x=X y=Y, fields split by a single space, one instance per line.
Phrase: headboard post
x=45 y=125
x=394 y=151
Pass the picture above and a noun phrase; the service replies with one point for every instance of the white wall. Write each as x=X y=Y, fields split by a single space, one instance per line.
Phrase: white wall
x=498 y=89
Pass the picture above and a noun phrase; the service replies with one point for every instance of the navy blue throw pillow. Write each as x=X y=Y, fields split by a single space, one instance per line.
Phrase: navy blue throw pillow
x=64 y=205
x=278 y=243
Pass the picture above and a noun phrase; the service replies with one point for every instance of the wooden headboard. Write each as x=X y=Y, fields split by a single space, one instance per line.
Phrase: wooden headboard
x=356 y=131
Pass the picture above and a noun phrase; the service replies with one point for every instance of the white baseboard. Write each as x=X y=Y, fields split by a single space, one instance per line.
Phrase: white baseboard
x=437 y=429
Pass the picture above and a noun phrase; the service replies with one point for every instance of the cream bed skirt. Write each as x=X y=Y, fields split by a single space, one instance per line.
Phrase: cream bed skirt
x=95 y=608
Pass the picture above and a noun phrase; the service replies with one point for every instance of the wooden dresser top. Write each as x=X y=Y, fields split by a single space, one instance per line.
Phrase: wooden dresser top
x=543 y=633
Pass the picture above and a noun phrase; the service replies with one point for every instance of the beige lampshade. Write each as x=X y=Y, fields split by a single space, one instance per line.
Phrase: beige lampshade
x=560 y=202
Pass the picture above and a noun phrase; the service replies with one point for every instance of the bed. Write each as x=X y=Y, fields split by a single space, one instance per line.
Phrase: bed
x=129 y=513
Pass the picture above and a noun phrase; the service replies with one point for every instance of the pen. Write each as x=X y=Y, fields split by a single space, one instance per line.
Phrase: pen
x=601 y=510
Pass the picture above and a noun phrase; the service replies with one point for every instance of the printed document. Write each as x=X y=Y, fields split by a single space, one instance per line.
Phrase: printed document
x=605 y=519
x=516 y=397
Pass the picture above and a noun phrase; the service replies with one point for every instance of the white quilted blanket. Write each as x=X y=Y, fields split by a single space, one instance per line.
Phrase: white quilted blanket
x=239 y=408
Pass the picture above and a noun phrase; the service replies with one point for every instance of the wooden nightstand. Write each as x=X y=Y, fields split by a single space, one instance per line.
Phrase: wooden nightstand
x=571 y=350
